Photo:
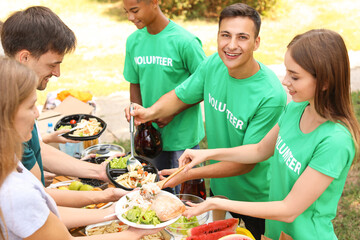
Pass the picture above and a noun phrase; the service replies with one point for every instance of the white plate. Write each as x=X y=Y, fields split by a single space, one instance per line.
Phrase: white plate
x=120 y=209
x=60 y=184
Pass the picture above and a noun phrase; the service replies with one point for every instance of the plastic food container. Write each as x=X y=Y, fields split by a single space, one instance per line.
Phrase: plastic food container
x=165 y=234
x=179 y=228
x=105 y=150
x=114 y=173
x=95 y=182
x=68 y=121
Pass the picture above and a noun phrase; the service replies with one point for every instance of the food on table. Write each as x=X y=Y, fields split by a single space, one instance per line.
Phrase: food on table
x=236 y=237
x=167 y=207
x=117 y=226
x=183 y=224
x=135 y=178
x=227 y=226
x=119 y=162
x=140 y=215
x=244 y=231
x=149 y=190
x=113 y=227
x=86 y=187
x=151 y=211
x=65 y=127
x=79 y=186
x=75 y=185
x=96 y=206
x=92 y=127
x=210 y=236
x=72 y=121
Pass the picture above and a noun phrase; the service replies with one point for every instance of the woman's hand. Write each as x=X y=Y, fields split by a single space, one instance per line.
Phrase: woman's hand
x=194 y=156
x=178 y=179
x=49 y=178
x=196 y=209
x=55 y=138
x=115 y=193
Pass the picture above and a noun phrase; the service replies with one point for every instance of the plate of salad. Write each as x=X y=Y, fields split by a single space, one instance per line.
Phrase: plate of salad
x=137 y=211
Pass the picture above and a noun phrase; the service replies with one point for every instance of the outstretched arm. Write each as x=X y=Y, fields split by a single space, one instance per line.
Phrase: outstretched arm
x=55 y=138
x=305 y=191
x=168 y=105
x=246 y=154
x=217 y=170
x=60 y=163
x=79 y=199
x=55 y=229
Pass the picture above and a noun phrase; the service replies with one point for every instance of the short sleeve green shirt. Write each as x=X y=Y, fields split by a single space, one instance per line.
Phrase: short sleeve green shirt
x=32 y=153
x=159 y=63
x=237 y=112
x=328 y=149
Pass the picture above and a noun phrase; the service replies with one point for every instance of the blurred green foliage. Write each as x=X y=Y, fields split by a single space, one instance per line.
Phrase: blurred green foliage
x=204 y=9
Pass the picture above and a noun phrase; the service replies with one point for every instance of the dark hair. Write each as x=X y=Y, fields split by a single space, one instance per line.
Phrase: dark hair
x=323 y=54
x=38 y=30
x=242 y=10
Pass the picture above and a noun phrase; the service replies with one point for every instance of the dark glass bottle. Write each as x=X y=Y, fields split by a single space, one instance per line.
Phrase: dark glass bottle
x=195 y=187
x=147 y=141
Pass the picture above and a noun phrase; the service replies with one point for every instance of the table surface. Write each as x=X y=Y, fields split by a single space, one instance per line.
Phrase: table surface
x=76 y=232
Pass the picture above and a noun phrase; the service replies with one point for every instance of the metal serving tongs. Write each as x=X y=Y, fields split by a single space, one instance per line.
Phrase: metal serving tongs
x=132 y=162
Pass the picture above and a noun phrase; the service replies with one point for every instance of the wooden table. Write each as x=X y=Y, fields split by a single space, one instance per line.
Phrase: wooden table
x=75 y=232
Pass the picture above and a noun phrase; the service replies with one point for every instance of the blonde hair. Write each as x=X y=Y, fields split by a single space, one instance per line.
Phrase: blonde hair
x=323 y=54
x=17 y=82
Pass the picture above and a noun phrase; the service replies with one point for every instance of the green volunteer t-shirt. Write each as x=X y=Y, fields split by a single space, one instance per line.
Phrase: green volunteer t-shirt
x=32 y=153
x=159 y=63
x=328 y=149
x=237 y=112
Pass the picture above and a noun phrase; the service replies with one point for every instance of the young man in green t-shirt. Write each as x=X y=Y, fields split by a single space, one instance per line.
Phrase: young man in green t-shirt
x=160 y=55
x=242 y=99
x=43 y=51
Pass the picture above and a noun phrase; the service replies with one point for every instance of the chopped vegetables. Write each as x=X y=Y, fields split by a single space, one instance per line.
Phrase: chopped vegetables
x=141 y=216
x=119 y=163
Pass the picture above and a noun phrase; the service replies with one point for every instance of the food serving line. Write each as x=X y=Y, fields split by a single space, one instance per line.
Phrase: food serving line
x=61 y=181
x=128 y=177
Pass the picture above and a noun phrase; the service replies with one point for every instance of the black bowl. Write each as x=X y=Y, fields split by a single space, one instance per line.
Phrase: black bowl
x=65 y=121
x=114 y=173
x=95 y=182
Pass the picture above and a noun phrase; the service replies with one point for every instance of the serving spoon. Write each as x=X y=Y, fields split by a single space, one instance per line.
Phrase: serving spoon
x=161 y=183
x=132 y=162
